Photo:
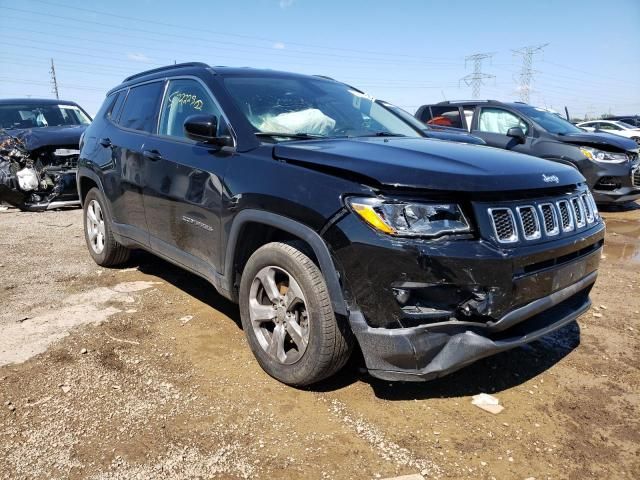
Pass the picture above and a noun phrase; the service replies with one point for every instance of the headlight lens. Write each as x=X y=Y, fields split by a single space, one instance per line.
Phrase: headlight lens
x=400 y=218
x=601 y=156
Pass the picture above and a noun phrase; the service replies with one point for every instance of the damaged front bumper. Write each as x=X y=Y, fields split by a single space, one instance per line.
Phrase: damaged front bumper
x=423 y=309
x=430 y=351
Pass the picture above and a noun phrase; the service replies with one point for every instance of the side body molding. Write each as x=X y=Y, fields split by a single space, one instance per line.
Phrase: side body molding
x=299 y=230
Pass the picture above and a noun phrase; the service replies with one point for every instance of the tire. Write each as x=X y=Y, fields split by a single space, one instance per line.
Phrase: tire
x=294 y=274
x=98 y=232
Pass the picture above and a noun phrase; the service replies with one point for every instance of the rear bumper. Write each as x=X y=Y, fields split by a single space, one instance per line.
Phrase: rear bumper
x=430 y=351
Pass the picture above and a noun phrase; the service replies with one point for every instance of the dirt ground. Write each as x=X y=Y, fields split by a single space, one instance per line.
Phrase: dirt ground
x=143 y=372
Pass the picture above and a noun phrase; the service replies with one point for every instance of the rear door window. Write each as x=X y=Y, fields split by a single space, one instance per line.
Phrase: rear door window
x=497 y=120
x=140 y=107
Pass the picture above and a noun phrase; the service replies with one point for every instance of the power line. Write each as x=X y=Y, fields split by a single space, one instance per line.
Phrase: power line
x=477 y=78
x=54 y=81
x=191 y=28
x=190 y=39
x=526 y=73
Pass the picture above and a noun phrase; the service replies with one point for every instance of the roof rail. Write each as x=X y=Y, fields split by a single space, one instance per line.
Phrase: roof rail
x=326 y=77
x=167 y=67
x=456 y=102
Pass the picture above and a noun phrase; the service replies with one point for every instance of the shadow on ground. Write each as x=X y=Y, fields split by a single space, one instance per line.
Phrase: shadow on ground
x=494 y=374
x=189 y=283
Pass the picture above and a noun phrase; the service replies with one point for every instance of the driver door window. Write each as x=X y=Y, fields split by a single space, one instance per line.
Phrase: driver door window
x=496 y=120
x=184 y=98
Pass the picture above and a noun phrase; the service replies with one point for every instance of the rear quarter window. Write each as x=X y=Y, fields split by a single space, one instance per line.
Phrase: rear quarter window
x=446 y=116
x=116 y=107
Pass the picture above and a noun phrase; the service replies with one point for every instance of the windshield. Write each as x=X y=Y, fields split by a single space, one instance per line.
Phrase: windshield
x=34 y=116
x=626 y=125
x=551 y=122
x=313 y=107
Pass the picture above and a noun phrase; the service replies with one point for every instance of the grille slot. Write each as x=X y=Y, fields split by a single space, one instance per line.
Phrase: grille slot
x=635 y=177
x=550 y=219
x=565 y=216
x=578 y=210
x=588 y=210
x=529 y=222
x=594 y=207
x=504 y=225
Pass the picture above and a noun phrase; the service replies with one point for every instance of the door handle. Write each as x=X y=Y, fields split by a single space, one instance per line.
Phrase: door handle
x=105 y=142
x=153 y=155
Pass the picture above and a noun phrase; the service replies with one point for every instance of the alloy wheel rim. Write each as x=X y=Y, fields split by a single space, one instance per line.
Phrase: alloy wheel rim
x=95 y=226
x=279 y=317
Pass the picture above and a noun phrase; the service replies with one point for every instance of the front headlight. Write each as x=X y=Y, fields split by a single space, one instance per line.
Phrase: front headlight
x=601 y=156
x=395 y=217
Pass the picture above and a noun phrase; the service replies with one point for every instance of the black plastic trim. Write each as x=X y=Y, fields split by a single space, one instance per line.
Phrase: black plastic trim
x=299 y=230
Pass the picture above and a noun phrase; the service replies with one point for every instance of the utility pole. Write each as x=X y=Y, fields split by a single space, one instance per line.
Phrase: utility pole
x=54 y=81
x=476 y=79
x=527 y=71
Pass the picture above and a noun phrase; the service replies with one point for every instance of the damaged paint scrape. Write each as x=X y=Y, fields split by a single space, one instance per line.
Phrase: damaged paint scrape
x=38 y=169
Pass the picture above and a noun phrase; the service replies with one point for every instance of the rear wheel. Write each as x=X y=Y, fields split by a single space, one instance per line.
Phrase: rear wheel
x=287 y=316
x=103 y=247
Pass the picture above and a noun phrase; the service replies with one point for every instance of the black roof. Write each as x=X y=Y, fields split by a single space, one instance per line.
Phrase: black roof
x=481 y=102
x=35 y=101
x=192 y=67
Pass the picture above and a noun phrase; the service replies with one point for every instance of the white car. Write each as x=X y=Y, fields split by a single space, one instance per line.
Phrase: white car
x=612 y=126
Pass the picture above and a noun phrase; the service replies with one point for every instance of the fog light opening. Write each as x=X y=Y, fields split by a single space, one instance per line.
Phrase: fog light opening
x=402 y=295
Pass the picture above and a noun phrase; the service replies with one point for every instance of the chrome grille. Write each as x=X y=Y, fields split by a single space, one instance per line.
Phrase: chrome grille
x=550 y=219
x=578 y=210
x=536 y=220
x=529 y=222
x=504 y=225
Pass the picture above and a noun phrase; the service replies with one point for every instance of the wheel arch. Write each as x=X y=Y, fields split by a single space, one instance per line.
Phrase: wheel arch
x=248 y=220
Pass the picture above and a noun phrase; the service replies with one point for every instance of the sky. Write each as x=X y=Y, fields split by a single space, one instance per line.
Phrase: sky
x=405 y=52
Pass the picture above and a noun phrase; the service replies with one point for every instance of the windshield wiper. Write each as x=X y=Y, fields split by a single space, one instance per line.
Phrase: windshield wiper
x=382 y=134
x=297 y=136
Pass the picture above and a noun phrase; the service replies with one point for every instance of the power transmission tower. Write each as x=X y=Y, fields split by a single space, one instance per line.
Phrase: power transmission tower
x=527 y=71
x=54 y=81
x=476 y=79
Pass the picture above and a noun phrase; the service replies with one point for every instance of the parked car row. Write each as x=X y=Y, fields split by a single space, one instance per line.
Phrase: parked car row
x=609 y=163
x=616 y=127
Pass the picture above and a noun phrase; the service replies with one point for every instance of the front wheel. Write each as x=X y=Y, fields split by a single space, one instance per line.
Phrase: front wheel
x=287 y=316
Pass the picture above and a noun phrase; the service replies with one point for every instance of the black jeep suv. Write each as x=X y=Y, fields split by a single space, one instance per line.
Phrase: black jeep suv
x=609 y=162
x=332 y=220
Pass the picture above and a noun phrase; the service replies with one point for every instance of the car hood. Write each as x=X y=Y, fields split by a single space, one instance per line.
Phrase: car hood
x=453 y=136
x=429 y=164
x=36 y=138
x=598 y=138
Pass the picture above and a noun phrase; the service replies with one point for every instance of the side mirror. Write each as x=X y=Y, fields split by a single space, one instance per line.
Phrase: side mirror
x=517 y=133
x=204 y=128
